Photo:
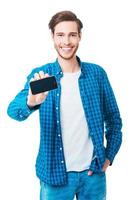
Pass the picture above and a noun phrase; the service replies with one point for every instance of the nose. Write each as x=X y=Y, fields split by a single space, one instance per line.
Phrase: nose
x=66 y=40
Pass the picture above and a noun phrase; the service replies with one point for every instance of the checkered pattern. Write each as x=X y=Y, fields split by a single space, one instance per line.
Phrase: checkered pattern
x=102 y=115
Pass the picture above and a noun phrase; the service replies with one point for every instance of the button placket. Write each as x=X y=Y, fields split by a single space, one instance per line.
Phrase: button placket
x=58 y=128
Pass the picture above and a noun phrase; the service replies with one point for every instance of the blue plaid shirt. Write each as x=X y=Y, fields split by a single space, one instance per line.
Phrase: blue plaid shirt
x=102 y=115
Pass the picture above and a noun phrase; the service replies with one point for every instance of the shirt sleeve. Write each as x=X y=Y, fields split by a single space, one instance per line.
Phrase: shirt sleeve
x=18 y=108
x=113 y=121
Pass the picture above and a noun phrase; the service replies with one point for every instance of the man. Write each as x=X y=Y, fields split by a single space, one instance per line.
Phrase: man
x=72 y=159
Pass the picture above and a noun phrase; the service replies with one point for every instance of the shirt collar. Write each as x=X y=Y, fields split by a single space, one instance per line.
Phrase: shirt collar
x=59 y=69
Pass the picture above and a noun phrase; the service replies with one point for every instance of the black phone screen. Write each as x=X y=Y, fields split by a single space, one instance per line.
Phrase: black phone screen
x=43 y=85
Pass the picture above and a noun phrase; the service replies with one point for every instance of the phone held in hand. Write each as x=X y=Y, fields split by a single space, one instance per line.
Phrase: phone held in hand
x=43 y=85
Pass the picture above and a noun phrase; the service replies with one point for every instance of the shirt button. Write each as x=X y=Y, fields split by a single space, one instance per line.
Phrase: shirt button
x=59 y=135
x=62 y=161
x=60 y=148
x=57 y=94
x=57 y=122
x=56 y=108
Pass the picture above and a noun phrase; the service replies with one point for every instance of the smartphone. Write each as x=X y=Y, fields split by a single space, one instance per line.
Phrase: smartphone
x=43 y=85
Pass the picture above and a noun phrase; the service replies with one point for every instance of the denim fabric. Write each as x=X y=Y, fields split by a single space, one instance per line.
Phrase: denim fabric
x=80 y=185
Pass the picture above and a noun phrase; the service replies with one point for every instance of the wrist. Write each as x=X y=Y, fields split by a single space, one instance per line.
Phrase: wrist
x=30 y=103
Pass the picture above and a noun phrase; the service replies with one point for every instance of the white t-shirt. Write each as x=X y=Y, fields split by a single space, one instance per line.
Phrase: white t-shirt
x=77 y=143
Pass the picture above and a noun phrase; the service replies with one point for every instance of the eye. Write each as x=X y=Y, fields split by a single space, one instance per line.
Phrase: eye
x=73 y=35
x=60 y=35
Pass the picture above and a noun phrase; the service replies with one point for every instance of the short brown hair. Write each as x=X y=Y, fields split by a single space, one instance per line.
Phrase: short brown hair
x=64 y=16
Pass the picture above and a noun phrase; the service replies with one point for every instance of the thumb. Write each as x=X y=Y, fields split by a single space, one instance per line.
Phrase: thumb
x=30 y=92
x=90 y=173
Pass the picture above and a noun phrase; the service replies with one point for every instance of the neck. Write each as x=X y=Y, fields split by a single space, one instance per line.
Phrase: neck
x=71 y=65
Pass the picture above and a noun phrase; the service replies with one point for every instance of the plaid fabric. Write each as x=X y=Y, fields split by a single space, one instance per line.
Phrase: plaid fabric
x=102 y=115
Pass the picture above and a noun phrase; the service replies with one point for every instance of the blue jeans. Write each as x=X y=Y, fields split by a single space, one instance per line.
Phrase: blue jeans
x=80 y=185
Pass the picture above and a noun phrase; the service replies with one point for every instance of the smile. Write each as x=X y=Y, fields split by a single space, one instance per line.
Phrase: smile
x=66 y=49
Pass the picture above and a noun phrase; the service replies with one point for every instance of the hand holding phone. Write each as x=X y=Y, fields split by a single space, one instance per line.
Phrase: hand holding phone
x=39 y=87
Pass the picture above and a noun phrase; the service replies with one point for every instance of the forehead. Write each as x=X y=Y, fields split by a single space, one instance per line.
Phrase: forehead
x=66 y=27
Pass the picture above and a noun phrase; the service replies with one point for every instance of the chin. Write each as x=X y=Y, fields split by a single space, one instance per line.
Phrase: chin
x=67 y=57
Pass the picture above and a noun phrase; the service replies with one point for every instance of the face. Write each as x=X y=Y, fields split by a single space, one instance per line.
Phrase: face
x=66 y=39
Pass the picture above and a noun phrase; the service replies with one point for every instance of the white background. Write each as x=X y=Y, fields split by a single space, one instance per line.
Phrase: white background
x=25 y=43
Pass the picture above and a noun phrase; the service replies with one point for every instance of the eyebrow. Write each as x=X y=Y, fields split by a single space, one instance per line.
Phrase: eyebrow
x=75 y=33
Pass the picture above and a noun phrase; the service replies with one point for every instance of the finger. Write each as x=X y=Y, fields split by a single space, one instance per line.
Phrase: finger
x=46 y=75
x=36 y=76
x=104 y=168
x=106 y=164
x=41 y=74
x=90 y=173
x=46 y=93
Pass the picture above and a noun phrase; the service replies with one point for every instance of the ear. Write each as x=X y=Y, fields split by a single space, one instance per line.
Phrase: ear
x=80 y=35
x=52 y=35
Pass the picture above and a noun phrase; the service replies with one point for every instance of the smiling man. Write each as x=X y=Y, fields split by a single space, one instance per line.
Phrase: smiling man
x=66 y=39
x=72 y=159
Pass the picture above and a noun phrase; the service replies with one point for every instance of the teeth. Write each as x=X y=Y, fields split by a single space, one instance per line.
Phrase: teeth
x=66 y=49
